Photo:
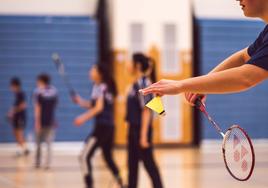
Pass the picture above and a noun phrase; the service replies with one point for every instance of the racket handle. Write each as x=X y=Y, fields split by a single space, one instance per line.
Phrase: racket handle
x=199 y=104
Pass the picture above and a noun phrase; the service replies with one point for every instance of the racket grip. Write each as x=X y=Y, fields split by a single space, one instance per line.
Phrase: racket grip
x=198 y=103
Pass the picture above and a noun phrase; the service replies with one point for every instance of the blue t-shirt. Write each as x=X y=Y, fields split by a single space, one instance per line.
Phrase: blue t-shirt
x=258 y=51
x=136 y=102
x=47 y=98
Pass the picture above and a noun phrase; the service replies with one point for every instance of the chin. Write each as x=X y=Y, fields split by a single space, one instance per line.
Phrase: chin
x=250 y=14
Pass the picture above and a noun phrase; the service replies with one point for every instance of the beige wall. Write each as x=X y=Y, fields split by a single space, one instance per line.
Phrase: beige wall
x=153 y=14
x=48 y=7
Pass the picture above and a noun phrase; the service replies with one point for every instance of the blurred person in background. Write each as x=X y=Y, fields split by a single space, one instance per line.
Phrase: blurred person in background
x=45 y=102
x=140 y=119
x=17 y=115
x=100 y=107
x=239 y=72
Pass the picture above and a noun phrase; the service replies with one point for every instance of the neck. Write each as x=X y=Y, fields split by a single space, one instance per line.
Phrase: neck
x=264 y=16
x=98 y=82
x=139 y=75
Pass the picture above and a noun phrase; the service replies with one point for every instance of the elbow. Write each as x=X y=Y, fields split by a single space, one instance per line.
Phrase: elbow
x=248 y=82
x=98 y=110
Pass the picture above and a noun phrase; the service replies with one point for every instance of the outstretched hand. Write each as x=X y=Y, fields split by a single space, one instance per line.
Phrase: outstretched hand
x=163 y=87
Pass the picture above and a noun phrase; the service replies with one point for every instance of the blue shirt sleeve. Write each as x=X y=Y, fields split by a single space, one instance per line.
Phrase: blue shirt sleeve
x=258 y=51
x=145 y=82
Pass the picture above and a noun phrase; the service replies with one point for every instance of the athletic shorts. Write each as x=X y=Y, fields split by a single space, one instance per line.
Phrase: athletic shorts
x=19 y=123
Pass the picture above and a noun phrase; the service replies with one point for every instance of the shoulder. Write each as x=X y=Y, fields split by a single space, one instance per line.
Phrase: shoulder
x=99 y=87
x=37 y=91
x=103 y=87
x=144 y=82
x=53 y=89
x=265 y=34
x=98 y=90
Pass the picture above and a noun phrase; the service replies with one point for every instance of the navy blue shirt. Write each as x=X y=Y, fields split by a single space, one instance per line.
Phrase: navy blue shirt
x=258 y=51
x=47 y=99
x=136 y=102
x=19 y=99
x=106 y=116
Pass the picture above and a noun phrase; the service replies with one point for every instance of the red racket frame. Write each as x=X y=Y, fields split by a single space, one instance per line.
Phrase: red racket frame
x=200 y=105
x=252 y=153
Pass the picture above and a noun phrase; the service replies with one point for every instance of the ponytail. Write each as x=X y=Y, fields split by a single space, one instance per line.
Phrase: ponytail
x=152 y=69
x=147 y=65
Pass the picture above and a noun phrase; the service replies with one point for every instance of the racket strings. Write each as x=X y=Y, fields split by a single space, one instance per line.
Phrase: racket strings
x=239 y=154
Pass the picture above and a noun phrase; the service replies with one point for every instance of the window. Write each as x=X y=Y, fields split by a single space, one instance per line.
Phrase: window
x=170 y=60
x=136 y=38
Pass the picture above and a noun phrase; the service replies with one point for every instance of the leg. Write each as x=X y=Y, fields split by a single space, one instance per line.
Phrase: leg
x=20 y=136
x=39 y=138
x=107 y=146
x=88 y=144
x=50 y=132
x=17 y=138
x=16 y=130
x=150 y=166
x=89 y=154
x=133 y=161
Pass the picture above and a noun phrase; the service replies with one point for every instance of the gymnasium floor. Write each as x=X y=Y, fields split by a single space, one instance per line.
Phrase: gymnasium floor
x=180 y=168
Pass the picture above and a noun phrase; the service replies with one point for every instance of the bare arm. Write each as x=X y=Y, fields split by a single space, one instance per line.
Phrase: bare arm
x=37 y=116
x=90 y=113
x=22 y=106
x=227 y=81
x=85 y=103
x=236 y=60
x=146 y=115
x=82 y=102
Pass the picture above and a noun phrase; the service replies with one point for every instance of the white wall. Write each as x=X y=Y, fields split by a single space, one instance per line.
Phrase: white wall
x=48 y=7
x=225 y=9
x=153 y=14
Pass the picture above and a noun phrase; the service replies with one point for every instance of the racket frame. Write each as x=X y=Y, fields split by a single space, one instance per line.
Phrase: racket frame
x=200 y=105
x=251 y=147
x=61 y=70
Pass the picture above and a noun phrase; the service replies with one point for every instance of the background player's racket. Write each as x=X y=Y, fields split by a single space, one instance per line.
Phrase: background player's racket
x=61 y=70
x=237 y=148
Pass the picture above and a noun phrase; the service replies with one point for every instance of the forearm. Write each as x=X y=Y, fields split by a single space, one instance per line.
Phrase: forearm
x=228 y=81
x=20 y=107
x=37 y=116
x=85 y=103
x=237 y=59
x=89 y=114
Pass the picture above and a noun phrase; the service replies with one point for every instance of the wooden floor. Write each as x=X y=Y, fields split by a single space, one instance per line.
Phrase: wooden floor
x=180 y=168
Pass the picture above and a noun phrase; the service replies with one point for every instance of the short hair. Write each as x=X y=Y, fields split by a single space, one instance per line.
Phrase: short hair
x=15 y=81
x=45 y=78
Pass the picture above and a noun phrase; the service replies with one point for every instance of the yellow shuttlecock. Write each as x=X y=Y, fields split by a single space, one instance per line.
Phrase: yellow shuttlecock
x=156 y=105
